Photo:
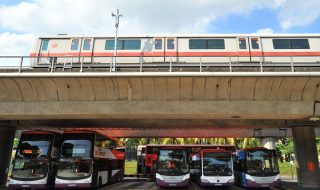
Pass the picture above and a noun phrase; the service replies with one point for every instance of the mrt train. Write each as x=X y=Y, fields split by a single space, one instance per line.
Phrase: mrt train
x=209 y=48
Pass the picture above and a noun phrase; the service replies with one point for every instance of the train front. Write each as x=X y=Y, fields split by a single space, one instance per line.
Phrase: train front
x=172 y=168
x=75 y=165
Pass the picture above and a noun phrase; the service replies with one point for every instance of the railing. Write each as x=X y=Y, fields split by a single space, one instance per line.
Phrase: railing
x=159 y=64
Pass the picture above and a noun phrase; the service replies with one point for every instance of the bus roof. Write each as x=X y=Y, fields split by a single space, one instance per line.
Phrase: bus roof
x=40 y=133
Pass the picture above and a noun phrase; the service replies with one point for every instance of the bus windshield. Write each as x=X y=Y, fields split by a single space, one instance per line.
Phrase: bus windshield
x=30 y=168
x=262 y=163
x=217 y=164
x=172 y=162
x=31 y=146
x=74 y=168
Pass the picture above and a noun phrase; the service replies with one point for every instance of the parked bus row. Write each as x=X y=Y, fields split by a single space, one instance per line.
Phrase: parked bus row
x=209 y=165
x=72 y=159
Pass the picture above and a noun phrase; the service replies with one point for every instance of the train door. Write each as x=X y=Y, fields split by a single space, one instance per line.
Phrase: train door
x=74 y=52
x=158 y=50
x=44 y=51
x=255 y=49
x=243 y=50
x=86 y=51
x=170 y=52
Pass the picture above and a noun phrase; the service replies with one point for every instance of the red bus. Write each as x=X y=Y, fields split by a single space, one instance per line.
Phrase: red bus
x=89 y=159
x=34 y=166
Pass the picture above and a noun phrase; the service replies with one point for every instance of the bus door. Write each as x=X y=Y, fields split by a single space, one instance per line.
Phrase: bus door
x=170 y=52
x=243 y=55
x=158 y=50
x=86 y=50
x=255 y=49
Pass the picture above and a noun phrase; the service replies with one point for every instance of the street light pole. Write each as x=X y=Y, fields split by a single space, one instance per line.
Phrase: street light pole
x=116 y=25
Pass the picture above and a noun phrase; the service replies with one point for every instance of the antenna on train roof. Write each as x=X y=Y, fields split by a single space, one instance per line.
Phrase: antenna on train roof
x=116 y=25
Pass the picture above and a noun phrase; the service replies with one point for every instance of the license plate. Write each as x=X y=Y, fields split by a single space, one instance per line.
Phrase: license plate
x=71 y=185
x=25 y=185
x=218 y=184
x=264 y=185
x=172 y=185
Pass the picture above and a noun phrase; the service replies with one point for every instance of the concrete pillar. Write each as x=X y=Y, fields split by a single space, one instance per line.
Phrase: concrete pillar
x=268 y=142
x=6 y=143
x=307 y=157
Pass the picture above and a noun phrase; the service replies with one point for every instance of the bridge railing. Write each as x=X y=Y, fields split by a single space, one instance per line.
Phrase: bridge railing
x=158 y=64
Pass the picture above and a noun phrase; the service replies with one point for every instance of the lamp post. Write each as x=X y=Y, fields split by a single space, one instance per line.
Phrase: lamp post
x=116 y=25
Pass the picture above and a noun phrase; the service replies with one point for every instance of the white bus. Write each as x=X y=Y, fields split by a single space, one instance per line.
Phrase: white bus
x=34 y=166
x=213 y=167
x=89 y=159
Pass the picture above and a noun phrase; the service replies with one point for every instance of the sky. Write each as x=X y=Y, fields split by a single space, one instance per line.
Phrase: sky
x=21 y=21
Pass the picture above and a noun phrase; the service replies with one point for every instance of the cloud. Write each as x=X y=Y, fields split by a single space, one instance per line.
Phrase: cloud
x=264 y=31
x=298 y=13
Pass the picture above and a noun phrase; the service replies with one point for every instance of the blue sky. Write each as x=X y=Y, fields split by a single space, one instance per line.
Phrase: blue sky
x=21 y=21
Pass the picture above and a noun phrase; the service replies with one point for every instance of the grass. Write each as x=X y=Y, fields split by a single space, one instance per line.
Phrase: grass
x=285 y=169
x=130 y=167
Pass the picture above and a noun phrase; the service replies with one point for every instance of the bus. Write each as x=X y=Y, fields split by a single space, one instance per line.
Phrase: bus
x=172 y=167
x=89 y=159
x=141 y=157
x=213 y=167
x=192 y=149
x=34 y=166
x=257 y=168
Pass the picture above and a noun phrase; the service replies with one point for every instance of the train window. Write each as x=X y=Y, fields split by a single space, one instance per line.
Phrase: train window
x=255 y=43
x=216 y=44
x=123 y=44
x=291 y=44
x=197 y=44
x=206 y=44
x=74 y=44
x=300 y=44
x=87 y=44
x=131 y=44
x=158 y=44
x=110 y=44
x=170 y=44
x=281 y=44
x=242 y=43
x=45 y=45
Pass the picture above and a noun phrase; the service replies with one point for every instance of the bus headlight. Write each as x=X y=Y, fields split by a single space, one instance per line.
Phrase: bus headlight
x=231 y=181
x=159 y=177
x=186 y=177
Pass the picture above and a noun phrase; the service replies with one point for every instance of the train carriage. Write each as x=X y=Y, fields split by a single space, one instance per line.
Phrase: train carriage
x=253 y=48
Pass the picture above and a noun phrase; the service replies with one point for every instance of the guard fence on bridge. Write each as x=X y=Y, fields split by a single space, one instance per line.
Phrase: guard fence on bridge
x=140 y=64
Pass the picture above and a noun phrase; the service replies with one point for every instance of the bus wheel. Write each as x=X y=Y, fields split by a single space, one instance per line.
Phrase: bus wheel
x=118 y=178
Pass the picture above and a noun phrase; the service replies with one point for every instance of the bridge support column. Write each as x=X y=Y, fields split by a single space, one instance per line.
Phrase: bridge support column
x=6 y=143
x=307 y=157
x=268 y=142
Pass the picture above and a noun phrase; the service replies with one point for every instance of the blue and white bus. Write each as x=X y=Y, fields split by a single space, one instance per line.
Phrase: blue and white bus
x=257 y=168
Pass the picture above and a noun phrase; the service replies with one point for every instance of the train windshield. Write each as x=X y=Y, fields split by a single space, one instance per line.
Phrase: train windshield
x=217 y=164
x=262 y=163
x=34 y=145
x=30 y=168
x=172 y=162
x=77 y=146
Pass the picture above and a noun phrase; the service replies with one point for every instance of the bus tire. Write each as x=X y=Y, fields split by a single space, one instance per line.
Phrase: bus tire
x=118 y=178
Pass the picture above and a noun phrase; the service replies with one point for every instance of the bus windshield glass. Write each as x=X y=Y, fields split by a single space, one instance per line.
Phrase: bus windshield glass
x=34 y=145
x=77 y=146
x=262 y=163
x=217 y=164
x=172 y=162
x=29 y=168
x=74 y=168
